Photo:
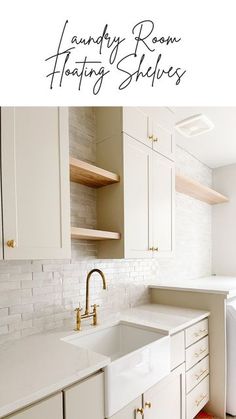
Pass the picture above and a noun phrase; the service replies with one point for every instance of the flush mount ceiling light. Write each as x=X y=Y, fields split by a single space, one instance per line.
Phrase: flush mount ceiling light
x=194 y=125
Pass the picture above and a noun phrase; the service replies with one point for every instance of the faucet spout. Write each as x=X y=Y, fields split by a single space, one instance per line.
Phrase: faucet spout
x=87 y=286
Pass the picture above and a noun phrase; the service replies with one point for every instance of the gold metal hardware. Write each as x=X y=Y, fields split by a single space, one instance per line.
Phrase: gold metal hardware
x=148 y=404
x=140 y=410
x=11 y=243
x=154 y=249
x=201 y=373
x=95 y=319
x=87 y=314
x=152 y=138
x=200 y=352
x=202 y=397
x=78 y=318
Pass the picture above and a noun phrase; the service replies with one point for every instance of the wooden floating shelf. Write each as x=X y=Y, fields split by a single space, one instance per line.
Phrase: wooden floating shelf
x=196 y=190
x=90 y=175
x=90 y=234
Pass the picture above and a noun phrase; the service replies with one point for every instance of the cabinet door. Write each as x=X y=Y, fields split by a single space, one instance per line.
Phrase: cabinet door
x=161 y=129
x=162 y=183
x=135 y=124
x=85 y=400
x=136 y=199
x=35 y=182
x=163 y=140
x=48 y=408
x=130 y=411
x=166 y=400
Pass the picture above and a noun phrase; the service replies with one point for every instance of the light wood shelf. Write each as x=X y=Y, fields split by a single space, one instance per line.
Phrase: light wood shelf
x=90 y=175
x=196 y=190
x=90 y=234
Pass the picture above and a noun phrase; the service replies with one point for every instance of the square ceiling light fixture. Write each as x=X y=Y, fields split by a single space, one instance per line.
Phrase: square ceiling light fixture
x=194 y=125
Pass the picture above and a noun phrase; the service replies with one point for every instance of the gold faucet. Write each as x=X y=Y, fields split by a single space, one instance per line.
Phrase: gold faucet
x=88 y=314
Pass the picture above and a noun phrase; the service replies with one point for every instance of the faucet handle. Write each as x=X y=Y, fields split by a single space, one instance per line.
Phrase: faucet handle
x=94 y=306
x=78 y=309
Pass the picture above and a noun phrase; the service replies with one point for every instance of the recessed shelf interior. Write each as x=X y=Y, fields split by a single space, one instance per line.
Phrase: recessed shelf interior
x=90 y=175
x=195 y=189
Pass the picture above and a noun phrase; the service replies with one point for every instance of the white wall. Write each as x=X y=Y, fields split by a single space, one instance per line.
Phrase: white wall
x=41 y=295
x=224 y=223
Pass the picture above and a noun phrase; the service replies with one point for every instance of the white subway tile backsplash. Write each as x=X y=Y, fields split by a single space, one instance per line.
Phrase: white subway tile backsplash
x=51 y=289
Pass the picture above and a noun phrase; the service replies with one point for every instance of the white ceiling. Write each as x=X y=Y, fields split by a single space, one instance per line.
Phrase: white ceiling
x=215 y=148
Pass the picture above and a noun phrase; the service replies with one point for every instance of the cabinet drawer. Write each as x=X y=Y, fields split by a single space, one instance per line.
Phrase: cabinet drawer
x=197 y=373
x=196 y=332
x=197 y=399
x=196 y=352
x=177 y=350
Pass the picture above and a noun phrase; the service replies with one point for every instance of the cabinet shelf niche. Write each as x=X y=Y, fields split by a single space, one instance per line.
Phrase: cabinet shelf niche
x=195 y=189
x=91 y=234
x=90 y=175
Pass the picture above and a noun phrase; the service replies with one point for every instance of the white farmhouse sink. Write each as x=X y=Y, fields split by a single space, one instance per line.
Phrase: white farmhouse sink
x=140 y=357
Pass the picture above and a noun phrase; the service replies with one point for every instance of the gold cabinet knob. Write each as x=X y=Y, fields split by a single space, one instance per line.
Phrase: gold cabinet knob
x=148 y=404
x=140 y=410
x=156 y=249
x=11 y=243
x=151 y=248
x=153 y=138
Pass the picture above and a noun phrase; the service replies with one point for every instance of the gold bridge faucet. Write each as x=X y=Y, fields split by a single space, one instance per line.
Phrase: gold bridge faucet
x=87 y=314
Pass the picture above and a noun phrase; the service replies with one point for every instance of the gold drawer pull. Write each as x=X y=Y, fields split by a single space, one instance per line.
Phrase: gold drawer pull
x=152 y=138
x=201 y=373
x=148 y=404
x=196 y=334
x=11 y=243
x=197 y=354
x=151 y=248
x=202 y=397
x=140 y=410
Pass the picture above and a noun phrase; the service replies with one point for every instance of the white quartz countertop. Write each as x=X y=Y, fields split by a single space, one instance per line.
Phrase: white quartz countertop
x=225 y=285
x=166 y=319
x=37 y=366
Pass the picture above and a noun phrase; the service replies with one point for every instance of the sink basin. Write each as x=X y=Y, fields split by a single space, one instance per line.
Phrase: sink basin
x=140 y=357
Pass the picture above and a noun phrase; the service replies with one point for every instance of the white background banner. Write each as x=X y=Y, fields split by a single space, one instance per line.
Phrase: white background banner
x=118 y=52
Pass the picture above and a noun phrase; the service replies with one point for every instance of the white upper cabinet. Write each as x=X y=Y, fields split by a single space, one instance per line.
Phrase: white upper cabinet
x=138 y=233
x=153 y=127
x=135 y=124
x=141 y=206
x=162 y=190
x=35 y=182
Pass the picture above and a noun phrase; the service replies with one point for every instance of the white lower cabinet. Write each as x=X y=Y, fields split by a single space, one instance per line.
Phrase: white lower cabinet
x=165 y=400
x=197 y=398
x=47 y=408
x=85 y=400
x=129 y=411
